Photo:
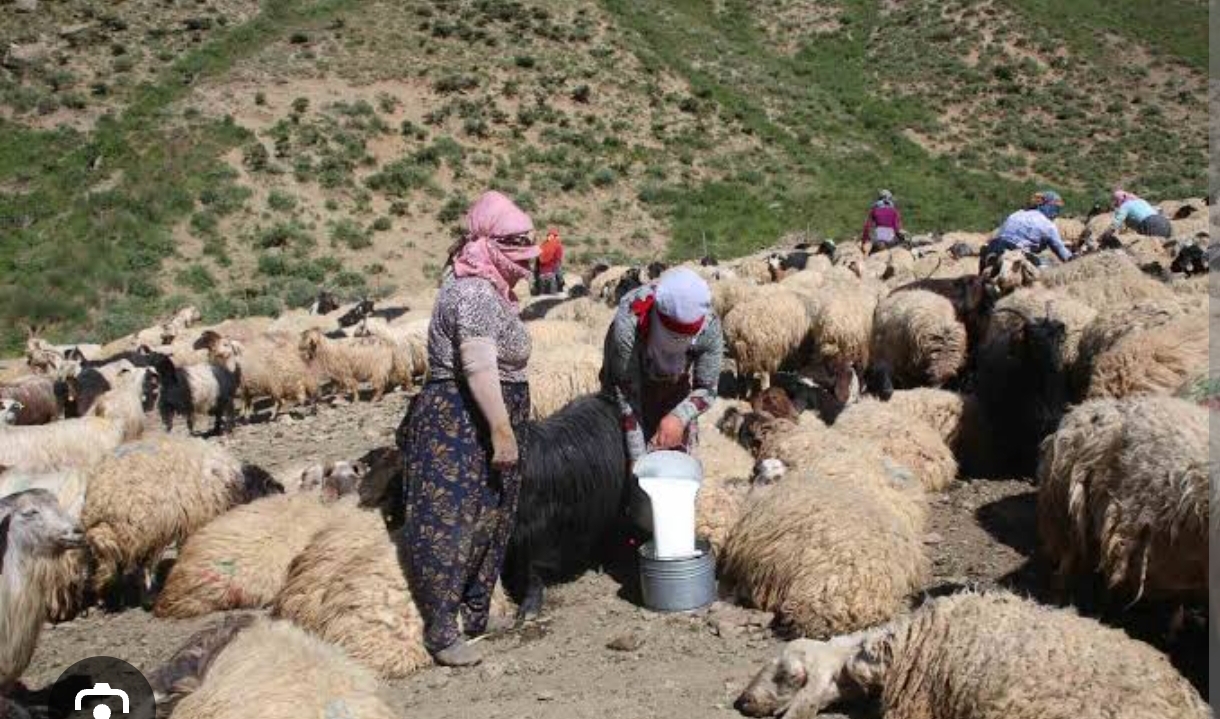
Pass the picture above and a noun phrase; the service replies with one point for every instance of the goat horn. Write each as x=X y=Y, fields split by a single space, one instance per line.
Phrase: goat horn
x=935 y=269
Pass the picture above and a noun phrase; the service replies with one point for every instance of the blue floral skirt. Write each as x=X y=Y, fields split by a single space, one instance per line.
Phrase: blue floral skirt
x=459 y=511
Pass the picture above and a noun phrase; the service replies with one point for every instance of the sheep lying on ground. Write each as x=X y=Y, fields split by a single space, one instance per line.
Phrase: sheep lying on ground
x=1155 y=360
x=905 y=439
x=33 y=531
x=1123 y=489
x=240 y=559
x=826 y=554
x=548 y=335
x=1105 y=279
x=350 y=362
x=153 y=493
x=41 y=398
x=558 y=377
x=268 y=366
x=10 y=409
x=270 y=670
x=347 y=587
x=919 y=335
x=81 y=442
x=978 y=656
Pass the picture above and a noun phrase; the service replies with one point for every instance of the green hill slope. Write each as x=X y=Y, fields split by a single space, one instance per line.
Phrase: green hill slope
x=239 y=154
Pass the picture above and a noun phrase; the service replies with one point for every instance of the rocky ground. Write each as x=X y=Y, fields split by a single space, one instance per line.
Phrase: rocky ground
x=596 y=653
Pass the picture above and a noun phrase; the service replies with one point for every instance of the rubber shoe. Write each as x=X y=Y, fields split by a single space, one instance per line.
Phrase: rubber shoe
x=458 y=654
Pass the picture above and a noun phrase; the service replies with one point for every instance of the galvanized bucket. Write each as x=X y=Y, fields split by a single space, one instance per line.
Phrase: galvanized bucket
x=677 y=585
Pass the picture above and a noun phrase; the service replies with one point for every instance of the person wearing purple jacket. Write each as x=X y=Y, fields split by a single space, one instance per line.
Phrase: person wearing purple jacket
x=883 y=226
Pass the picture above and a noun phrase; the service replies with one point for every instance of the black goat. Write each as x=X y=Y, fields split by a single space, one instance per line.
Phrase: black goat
x=655 y=269
x=1022 y=388
x=628 y=282
x=708 y=261
x=578 y=291
x=325 y=303
x=1191 y=260
x=791 y=262
x=574 y=490
x=363 y=309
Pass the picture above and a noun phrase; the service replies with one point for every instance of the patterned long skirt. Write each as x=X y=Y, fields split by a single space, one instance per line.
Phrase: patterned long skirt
x=460 y=512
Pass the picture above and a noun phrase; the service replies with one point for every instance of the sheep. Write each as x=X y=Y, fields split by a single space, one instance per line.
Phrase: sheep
x=155 y=492
x=240 y=560
x=841 y=321
x=601 y=286
x=585 y=310
x=919 y=335
x=268 y=366
x=118 y=416
x=826 y=554
x=1123 y=490
x=726 y=471
x=271 y=670
x=347 y=587
x=208 y=389
x=560 y=376
x=905 y=439
x=977 y=655
x=1104 y=279
x=350 y=362
x=727 y=294
x=548 y=334
x=1151 y=360
x=41 y=398
x=573 y=493
x=33 y=530
x=168 y=331
x=41 y=357
x=765 y=333
x=410 y=346
x=10 y=410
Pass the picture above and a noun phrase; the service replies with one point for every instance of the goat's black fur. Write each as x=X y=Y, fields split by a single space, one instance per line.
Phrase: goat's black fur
x=1022 y=387
x=629 y=281
x=574 y=490
x=1191 y=260
x=363 y=309
x=325 y=303
x=655 y=269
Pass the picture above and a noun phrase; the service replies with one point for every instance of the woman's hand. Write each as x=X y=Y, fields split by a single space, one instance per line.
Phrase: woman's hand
x=504 y=455
x=670 y=434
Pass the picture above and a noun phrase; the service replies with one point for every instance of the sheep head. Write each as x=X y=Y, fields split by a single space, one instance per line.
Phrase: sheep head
x=1009 y=271
x=33 y=524
x=805 y=678
x=308 y=346
x=207 y=340
x=341 y=479
x=9 y=409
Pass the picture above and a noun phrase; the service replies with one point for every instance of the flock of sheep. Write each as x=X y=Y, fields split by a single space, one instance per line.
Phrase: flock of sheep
x=856 y=387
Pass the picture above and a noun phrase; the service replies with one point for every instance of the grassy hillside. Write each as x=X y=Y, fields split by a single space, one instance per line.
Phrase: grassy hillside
x=240 y=154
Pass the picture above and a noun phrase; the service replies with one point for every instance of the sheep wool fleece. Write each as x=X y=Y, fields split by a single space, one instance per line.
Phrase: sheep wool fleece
x=460 y=512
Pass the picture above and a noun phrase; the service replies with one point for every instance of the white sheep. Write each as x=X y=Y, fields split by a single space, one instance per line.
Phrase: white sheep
x=1105 y=279
x=919 y=335
x=80 y=442
x=549 y=335
x=841 y=321
x=978 y=656
x=33 y=530
x=766 y=332
x=410 y=343
x=1153 y=360
x=347 y=587
x=1123 y=490
x=907 y=440
x=240 y=559
x=349 y=362
x=273 y=670
x=826 y=553
x=269 y=366
x=9 y=409
x=155 y=492
x=559 y=376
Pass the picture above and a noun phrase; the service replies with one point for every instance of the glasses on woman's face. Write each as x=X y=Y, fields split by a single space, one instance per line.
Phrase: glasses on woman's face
x=524 y=240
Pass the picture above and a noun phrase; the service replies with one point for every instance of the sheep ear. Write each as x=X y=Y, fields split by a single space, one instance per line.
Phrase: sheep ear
x=4 y=527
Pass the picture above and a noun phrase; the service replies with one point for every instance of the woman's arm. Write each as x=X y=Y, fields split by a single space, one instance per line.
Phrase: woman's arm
x=1120 y=216
x=705 y=376
x=621 y=372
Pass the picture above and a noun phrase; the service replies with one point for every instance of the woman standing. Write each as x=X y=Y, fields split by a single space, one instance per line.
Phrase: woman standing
x=459 y=436
x=662 y=361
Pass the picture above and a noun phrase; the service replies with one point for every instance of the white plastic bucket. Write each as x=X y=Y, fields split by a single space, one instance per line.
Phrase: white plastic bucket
x=671 y=482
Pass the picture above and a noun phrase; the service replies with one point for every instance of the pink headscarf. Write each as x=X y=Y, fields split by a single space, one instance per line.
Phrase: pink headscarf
x=1120 y=196
x=492 y=219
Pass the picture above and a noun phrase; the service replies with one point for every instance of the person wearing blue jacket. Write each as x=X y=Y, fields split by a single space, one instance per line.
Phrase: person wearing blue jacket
x=1030 y=230
x=1139 y=215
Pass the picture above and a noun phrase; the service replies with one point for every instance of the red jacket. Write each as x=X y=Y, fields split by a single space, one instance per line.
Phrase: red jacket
x=550 y=257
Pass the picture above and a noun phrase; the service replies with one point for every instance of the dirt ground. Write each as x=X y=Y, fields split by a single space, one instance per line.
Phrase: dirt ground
x=686 y=665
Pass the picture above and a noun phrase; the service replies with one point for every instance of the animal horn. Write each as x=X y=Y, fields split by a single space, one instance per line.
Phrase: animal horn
x=939 y=261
